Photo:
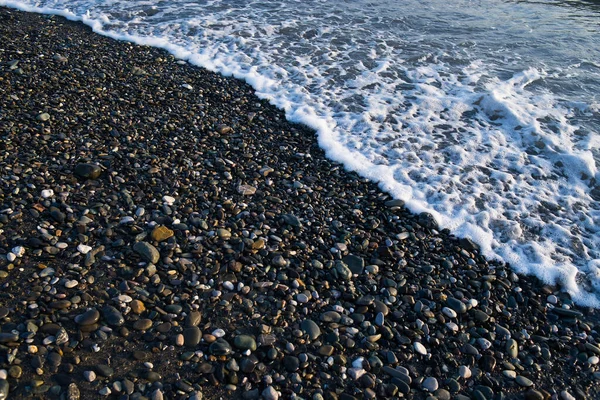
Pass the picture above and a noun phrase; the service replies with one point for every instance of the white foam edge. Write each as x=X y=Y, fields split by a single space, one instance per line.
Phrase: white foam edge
x=563 y=274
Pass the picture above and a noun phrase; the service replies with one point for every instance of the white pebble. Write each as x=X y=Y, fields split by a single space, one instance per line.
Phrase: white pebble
x=84 y=248
x=356 y=373
x=302 y=298
x=18 y=251
x=169 y=200
x=419 y=348
x=71 y=284
x=218 y=333
x=3 y=374
x=126 y=220
x=89 y=376
x=464 y=372
x=47 y=193
x=484 y=343
x=228 y=285
x=61 y=245
x=105 y=391
x=11 y=257
x=358 y=363
x=593 y=360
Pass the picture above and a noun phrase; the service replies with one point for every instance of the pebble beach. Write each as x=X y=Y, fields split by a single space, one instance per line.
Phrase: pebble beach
x=165 y=234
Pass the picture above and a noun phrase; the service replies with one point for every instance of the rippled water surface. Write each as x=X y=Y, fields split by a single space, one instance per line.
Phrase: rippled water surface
x=484 y=113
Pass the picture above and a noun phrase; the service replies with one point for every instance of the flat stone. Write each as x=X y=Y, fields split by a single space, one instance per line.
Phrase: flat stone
x=161 y=233
x=147 y=251
x=87 y=171
x=245 y=342
x=525 y=382
x=331 y=316
x=137 y=306
x=512 y=348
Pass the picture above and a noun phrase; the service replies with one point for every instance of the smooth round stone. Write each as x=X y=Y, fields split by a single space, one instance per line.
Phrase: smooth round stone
x=137 y=306
x=220 y=347
x=456 y=305
x=326 y=350
x=113 y=316
x=174 y=308
x=509 y=374
x=525 y=382
x=479 y=315
x=450 y=313
x=142 y=324
x=464 y=372
x=223 y=233
x=419 y=348
x=89 y=376
x=291 y=363
x=310 y=328
x=4 y=312
x=147 y=251
x=192 y=336
x=245 y=342
x=84 y=249
x=331 y=316
x=89 y=317
x=533 y=395
x=270 y=393
x=302 y=298
x=87 y=171
x=430 y=384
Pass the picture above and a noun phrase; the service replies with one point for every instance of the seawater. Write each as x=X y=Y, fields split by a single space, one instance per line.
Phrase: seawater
x=484 y=113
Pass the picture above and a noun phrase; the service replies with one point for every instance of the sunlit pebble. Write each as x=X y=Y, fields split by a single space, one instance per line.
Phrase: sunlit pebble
x=95 y=348
x=11 y=257
x=218 y=333
x=452 y=326
x=473 y=302
x=126 y=220
x=216 y=293
x=419 y=348
x=3 y=374
x=449 y=312
x=148 y=365
x=338 y=308
x=84 y=249
x=358 y=363
x=169 y=200
x=18 y=251
x=62 y=245
x=228 y=285
x=290 y=347
x=593 y=360
x=47 y=193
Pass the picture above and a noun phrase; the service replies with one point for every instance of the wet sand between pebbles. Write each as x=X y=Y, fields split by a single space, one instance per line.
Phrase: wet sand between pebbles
x=166 y=234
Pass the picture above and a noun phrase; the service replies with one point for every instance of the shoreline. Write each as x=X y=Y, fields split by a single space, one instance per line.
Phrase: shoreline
x=162 y=221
